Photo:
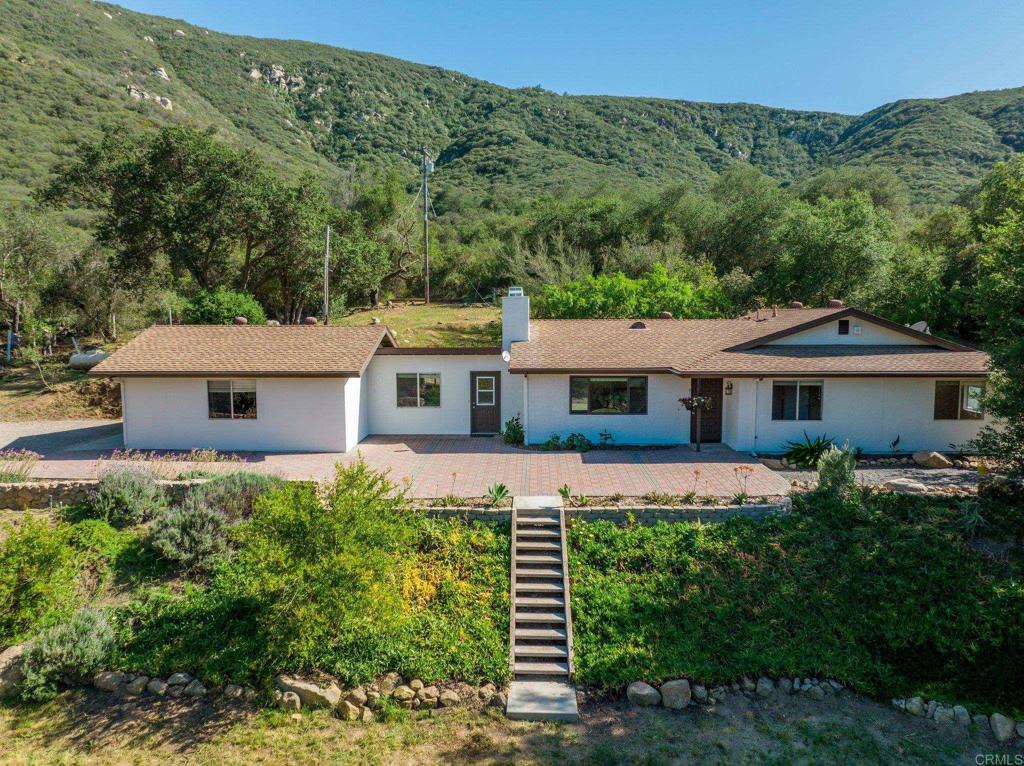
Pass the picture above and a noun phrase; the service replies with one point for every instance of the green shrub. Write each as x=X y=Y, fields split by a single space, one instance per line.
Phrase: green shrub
x=578 y=442
x=353 y=583
x=221 y=306
x=836 y=475
x=234 y=494
x=881 y=591
x=37 y=577
x=807 y=453
x=513 y=433
x=127 y=496
x=70 y=651
x=193 y=536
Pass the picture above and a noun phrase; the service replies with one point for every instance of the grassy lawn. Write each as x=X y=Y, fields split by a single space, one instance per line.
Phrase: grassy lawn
x=86 y=728
x=439 y=324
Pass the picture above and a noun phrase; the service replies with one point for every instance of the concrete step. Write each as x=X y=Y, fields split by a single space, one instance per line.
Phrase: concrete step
x=530 y=546
x=545 y=572
x=540 y=587
x=534 y=502
x=538 y=520
x=541 y=668
x=529 y=557
x=541 y=532
x=551 y=634
x=539 y=650
x=536 y=700
x=540 y=603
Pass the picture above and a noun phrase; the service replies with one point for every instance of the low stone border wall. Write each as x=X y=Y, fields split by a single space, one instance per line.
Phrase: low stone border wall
x=51 y=493
x=680 y=693
x=293 y=693
x=1003 y=728
x=640 y=515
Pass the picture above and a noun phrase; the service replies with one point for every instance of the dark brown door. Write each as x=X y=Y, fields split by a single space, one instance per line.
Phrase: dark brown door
x=485 y=402
x=710 y=420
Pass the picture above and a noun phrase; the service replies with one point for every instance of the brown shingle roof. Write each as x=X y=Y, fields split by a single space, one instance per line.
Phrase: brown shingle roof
x=700 y=347
x=253 y=350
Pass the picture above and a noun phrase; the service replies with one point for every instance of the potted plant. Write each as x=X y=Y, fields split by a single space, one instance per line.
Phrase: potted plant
x=697 y=405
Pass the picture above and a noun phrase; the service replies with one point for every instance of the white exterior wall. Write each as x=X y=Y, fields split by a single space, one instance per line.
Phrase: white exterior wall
x=453 y=416
x=666 y=421
x=871 y=334
x=868 y=412
x=293 y=415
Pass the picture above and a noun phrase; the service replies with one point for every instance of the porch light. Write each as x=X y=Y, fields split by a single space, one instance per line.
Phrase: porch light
x=728 y=388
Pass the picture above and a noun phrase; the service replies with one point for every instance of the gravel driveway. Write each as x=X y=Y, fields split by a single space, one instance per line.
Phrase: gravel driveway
x=930 y=477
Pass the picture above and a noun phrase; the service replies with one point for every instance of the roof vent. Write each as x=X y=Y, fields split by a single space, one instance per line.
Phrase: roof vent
x=241 y=320
x=796 y=305
x=309 y=320
x=835 y=303
x=638 y=326
x=516 y=292
x=665 y=315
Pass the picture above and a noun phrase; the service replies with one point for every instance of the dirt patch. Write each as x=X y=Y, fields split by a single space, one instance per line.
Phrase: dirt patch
x=71 y=395
x=94 y=728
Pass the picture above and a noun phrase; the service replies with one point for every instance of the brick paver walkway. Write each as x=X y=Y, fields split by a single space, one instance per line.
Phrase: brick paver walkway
x=435 y=466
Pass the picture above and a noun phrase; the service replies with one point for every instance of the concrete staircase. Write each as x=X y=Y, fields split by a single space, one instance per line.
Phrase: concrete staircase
x=540 y=620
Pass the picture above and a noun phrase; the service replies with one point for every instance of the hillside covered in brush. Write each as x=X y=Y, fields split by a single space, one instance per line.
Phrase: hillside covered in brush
x=69 y=67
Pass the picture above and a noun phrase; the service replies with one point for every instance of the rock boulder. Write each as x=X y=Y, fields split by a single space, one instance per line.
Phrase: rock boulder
x=642 y=694
x=311 y=694
x=11 y=673
x=675 y=695
x=929 y=459
x=1002 y=727
x=905 y=487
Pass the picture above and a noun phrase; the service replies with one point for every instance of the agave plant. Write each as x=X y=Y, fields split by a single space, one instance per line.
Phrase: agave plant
x=807 y=453
x=497 y=494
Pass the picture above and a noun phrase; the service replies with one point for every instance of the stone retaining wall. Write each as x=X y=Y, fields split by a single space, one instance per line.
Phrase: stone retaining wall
x=48 y=494
x=646 y=515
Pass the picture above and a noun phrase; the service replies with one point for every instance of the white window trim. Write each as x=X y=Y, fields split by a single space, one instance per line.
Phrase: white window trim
x=231 y=397
x=492 y=390
x=419 y=395
x=798 y=384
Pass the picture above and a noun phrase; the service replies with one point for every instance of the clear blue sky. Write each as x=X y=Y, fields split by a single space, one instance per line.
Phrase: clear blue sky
x=824 y=54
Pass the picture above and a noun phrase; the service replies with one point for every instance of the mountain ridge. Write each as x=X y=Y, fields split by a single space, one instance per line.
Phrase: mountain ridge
x=70 y=67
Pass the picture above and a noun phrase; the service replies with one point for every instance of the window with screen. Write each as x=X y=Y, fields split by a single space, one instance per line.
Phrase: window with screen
x=844 y=326
x=419 y=389
x=607 y=395
x=231 y=399
x=959 y=400
x=796 y=400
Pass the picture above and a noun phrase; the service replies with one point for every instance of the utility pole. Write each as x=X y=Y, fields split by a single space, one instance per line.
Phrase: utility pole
x=327 y=262
x=428 y=166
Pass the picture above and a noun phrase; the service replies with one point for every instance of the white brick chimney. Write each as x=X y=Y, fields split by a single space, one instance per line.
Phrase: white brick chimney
x=515 y=317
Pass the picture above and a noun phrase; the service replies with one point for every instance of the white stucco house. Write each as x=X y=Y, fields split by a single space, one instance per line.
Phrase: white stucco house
x=772 y=376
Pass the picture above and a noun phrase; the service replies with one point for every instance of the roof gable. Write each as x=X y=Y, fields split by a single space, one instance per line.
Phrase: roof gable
x=735 y=347
x=848 y=313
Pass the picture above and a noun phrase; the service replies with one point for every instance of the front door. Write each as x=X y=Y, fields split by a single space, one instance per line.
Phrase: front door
x=485 y=402
x=710 y=420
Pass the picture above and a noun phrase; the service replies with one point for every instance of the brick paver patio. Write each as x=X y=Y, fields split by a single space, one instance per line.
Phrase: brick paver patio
x=435 y=466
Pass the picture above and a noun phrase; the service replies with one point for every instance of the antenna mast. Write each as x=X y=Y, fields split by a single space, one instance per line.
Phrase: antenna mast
x=428 y=168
